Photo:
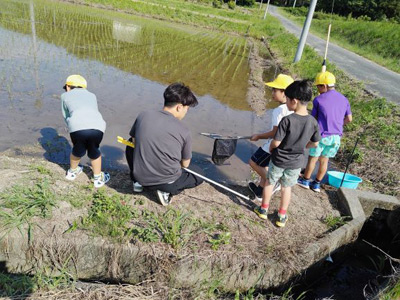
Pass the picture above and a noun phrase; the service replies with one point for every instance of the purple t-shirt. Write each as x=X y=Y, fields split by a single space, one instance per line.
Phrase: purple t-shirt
x=330 y=109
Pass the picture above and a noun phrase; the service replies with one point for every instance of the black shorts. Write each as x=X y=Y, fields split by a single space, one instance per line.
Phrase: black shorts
x=185 y=181
x=86 y=140
x=261 y=158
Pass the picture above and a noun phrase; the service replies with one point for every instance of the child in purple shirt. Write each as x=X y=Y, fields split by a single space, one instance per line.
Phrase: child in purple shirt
x=332 y=111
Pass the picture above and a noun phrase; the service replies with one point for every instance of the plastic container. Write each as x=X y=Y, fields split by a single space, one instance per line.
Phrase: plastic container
x=350 y=181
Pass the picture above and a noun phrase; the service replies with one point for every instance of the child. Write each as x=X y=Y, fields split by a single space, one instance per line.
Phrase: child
x=295 y=133
x=332 y=111
x=260 y=159
x=86 y=127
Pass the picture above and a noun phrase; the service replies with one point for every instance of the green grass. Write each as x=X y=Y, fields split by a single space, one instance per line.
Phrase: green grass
x=334 y=222
x=392 y=292
x=377 y=41
x=111 y=216
x=20 y=203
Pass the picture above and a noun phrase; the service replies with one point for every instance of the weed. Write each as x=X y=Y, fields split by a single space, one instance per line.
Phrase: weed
x=41 y=170
x=334 y=222
x=22 y=203
x=15 y=285
x=174 y=226
x=45 y=279
x=108 y=216
x=219 y=239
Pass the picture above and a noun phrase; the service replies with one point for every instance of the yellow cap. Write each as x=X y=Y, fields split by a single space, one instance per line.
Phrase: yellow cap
x=325 y=78
x=281 y=82
x=76 y=80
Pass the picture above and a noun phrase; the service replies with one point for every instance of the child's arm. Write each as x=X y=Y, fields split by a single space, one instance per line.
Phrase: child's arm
x=347 y=119
x=65 y=111
x=274 y=144
x=311 y=144
x=267 y=135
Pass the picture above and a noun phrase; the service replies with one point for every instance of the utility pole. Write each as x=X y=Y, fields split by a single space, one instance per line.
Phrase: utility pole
x=261 y=3
x=294 y=4
x=304 y=32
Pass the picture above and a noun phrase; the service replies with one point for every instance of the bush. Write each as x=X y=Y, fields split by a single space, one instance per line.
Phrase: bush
x=231 y=4
x=217 y=3
x=246 y=2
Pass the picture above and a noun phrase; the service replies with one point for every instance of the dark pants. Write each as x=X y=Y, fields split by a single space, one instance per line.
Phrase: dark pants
x=185 y=181
x=86 y=140
x=129 y=158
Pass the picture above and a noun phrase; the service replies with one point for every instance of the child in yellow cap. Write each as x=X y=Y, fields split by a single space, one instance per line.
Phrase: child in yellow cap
x=260 y=159
x=86 y=128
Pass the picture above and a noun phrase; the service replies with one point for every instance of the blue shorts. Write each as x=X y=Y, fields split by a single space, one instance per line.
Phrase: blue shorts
x=261 y=158
x=328 y=147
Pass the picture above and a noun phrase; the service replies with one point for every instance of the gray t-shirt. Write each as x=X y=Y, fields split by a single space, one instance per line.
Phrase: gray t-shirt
x=161 y=142
x=80 y=111
x=294 y=132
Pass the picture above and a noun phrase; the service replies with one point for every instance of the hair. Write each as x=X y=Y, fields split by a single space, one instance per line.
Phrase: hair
x=300 y=90
x=71 y=87
x=178 y=93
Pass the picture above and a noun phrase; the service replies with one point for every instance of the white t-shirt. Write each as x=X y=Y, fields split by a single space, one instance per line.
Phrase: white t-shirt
x=277 y=115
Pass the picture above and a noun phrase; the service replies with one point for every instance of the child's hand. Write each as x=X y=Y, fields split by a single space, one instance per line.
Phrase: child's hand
x=254 y=138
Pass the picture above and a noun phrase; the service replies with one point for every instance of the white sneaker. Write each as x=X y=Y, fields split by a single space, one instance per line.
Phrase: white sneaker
x=164 y=198
x=71 y=175
x=137 y=187
x=276 y=188
x=102 y=180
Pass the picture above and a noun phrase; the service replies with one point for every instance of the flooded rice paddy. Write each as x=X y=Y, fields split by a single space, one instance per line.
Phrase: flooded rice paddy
x=128 y=62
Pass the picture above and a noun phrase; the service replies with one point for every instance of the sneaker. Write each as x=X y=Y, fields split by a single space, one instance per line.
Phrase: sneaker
x=137 y=187
x=281 y=222
x=72 y=174
x=304 y=183
x=257 y=190
x=103 y=179
x=315 y=186
x=164 y=197
x=261 y=212
x=277 y=187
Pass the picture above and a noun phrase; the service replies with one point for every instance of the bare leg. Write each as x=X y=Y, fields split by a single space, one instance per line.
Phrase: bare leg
x=96 y=165
x=323 y=167
x=261 y=171
x=310 y=167
x=267 y=193
x=286 y=193
x=74 y=161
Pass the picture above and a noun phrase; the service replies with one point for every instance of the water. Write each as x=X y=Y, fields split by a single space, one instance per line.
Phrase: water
x=128 y=62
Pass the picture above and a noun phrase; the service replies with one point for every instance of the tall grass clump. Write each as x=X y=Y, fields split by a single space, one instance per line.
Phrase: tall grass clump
x=20 y=203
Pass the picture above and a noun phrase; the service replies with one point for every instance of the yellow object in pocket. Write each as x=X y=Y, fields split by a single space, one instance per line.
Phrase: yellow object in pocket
x=121 y=140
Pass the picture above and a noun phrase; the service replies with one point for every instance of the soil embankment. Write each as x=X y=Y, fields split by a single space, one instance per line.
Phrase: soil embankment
x=204 y=235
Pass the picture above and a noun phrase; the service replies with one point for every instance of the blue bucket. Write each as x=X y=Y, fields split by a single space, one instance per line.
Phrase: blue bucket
x=350 y=181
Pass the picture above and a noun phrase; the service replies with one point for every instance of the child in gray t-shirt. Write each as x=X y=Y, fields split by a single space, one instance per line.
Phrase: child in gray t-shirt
x=295 y=133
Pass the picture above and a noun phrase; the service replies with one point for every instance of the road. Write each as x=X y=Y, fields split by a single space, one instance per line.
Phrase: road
x=377 y=79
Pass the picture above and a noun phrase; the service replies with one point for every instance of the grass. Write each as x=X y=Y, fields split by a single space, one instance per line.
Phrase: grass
x=334 y=222
x=392 y=292
x=111 y=216
x=377 y=41
x=21 y=203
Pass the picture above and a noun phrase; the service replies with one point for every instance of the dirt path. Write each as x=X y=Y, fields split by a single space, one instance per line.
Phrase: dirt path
x=377 y=79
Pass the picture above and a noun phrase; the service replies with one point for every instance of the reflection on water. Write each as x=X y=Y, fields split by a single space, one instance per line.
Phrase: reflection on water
x=128 y=63
x=211 y=63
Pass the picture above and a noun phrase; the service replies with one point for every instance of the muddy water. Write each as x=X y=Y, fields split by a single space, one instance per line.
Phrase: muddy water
x=128 y=62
